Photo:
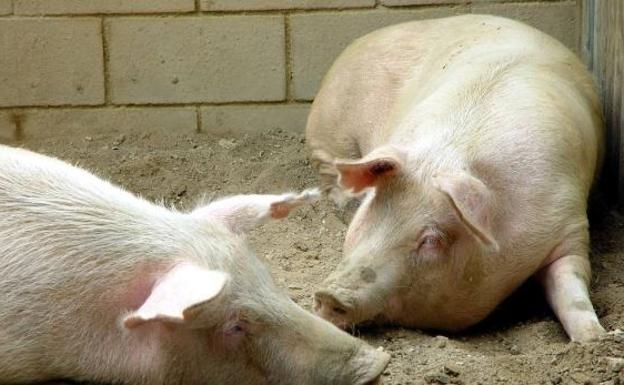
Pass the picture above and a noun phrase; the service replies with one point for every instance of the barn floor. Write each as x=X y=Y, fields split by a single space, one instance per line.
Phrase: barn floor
x=521 y=344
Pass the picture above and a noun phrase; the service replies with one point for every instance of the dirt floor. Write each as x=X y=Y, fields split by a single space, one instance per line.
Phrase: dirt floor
x=521 y=343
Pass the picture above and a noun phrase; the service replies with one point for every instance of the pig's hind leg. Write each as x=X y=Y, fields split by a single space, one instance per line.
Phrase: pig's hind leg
x=566 y=282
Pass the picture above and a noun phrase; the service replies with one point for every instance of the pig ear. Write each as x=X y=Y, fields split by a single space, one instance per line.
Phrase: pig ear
x=470 y=199
x=241 y=213
x=179 y=295
x=370 y=171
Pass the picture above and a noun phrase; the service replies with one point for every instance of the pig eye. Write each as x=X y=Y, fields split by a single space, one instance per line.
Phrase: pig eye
x=236 y=329
x=234 y=335
x=431 y=242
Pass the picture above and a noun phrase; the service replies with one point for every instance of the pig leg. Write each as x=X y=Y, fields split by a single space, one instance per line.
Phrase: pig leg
x=566 y=282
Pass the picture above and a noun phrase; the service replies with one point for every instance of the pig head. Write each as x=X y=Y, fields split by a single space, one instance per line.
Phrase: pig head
x=233 y=325
x=418 y=243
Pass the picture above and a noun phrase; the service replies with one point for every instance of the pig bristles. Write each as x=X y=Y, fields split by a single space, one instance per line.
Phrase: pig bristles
x=80 y=258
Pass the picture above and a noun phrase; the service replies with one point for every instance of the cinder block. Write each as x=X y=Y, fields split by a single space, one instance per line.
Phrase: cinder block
x=558 y=19
x=513 y=1
x=398 y=3
x=51 y=62
x=70 y=124
x=318 y=38
x=196 y=59
x=263 y=5
x=61 y=7
x=254 y=120
x=6 y=7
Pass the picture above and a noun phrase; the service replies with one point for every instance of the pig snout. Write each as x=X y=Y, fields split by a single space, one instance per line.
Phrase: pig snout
x=337 y=309
x=355 y=294
x=346 y=307
x=331 y=356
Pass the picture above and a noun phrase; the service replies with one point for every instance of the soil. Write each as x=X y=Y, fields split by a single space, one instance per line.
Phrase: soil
x=521 y=343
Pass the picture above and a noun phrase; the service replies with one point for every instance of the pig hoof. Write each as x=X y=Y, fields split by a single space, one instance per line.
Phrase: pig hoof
x=589 y=333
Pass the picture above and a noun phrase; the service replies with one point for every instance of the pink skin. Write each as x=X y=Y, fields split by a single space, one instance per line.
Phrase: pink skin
x=374 y=280
x=475 y=177
x=191 y=304
x=565 y=278
x=348 y=298
x=139 y=289
x=125 y=291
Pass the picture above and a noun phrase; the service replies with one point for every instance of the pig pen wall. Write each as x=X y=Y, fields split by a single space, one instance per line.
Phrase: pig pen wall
x=602 y=46
x=230 y=67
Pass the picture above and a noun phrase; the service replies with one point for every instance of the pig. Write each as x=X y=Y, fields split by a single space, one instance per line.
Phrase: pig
x=472 y=142
x=100 y=285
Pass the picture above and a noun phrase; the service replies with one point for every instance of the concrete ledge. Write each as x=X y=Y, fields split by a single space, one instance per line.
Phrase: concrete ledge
x=254 y=120
x=84 y=122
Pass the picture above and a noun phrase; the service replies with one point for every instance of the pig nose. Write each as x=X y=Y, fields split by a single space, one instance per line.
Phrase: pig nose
x=328 y=306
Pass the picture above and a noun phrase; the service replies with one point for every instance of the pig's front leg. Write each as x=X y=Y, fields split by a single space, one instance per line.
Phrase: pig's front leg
x=566 y=282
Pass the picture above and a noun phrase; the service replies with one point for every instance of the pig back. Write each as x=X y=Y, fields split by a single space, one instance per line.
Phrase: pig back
x=412 y=76
x=519 y=111
x=71 y=245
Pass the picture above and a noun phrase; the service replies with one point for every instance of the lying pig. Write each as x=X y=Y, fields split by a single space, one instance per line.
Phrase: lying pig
x=99 y=285
x=474 y=141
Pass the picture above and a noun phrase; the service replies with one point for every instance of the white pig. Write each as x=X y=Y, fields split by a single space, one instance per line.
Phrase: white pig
x=474 y=140
x=99 y=285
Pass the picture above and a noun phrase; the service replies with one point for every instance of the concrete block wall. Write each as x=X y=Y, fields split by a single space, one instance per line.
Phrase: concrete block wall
x=225 y=66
